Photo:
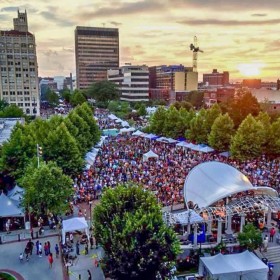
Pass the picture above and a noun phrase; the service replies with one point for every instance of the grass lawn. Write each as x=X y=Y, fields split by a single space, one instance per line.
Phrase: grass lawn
x=5 y=276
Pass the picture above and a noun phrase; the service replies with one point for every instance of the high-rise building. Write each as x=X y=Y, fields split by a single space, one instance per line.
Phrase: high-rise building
x=19 y=69
x=216 y=79
x=96 y=50
x=132 y=81
x=171 y=80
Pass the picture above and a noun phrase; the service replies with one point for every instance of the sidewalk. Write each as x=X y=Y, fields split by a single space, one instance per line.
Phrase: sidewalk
x=24 y=234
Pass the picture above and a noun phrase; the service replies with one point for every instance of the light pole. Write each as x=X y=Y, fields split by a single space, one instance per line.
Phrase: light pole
x=39 y=154
x=90 y=205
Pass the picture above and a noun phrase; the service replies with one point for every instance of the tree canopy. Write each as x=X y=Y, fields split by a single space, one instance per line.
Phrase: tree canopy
x=46 y=188
x=251 y=237
x=129 y=225
x=103 y=91
x=248 y=140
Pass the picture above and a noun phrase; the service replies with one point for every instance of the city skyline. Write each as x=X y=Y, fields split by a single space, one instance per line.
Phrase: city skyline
x=236 y=36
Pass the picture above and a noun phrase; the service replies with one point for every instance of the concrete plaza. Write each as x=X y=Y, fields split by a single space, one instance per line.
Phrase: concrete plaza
x=36 y=267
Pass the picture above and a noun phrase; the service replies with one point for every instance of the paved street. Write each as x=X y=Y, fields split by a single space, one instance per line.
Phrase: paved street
x=35 y=268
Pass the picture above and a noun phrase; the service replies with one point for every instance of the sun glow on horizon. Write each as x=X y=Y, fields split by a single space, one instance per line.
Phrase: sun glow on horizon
x=250 y=69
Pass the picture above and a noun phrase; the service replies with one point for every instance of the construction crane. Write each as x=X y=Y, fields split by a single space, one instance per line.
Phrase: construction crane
x=195 y=49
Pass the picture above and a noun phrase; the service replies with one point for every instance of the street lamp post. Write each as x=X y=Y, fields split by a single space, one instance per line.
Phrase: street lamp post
x=90 y=205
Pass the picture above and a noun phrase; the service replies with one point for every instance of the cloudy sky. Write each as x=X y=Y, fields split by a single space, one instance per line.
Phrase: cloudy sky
x=240 y=36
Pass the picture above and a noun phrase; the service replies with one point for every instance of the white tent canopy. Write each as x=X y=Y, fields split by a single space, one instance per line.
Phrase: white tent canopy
x=187 y=217
x=149 y=155
x=126 y=130
x=112 y=117
x=8 y=208
x=137 y=133
x=166 y=140
x=74 y=224
x=245 y=266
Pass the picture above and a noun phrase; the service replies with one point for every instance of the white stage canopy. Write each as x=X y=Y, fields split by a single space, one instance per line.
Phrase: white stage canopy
x=209 y=182
x=149 y=155
x=8 y=208
x=74 y=224
x=16 y=194
x=245 y=266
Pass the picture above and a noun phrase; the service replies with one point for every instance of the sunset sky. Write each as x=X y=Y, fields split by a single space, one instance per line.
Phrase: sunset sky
x=240 y=36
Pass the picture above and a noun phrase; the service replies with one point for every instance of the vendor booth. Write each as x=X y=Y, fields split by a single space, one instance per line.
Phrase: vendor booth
x=243 y=266
x=74 y=224
x=149 y=155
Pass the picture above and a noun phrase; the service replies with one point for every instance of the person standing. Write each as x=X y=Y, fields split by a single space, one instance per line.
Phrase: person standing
x=49 y=247
x=89 y=275
x=91 y=241
x=37 y=247
x=56 y=250
x=50 y=259
x=46 y=248
x=271 y=234
x=40 y=250
x=265 y=243
x=30 y=246
x=77 y=248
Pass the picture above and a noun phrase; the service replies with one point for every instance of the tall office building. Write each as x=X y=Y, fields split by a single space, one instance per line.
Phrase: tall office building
x=132 y=82
x=96 y=51
x=19 y=69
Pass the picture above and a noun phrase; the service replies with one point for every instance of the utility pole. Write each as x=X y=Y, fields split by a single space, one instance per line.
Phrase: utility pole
x=39 y=154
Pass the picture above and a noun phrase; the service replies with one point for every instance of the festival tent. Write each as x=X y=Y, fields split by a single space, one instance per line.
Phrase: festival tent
x=149 y=155
x=112 y=117
x=207 y=149
x=150 y=136
x=187 y=217
x=8 y=208
x=245 y=266
x=192 y=146
x=126 y=130
x=125 y=124
x=74 y=224
x=137 y=133
x=16 y=194
x=166 y=140
x=182 y=144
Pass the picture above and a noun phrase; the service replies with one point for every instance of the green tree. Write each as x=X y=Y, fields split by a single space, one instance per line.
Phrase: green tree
x=52 y=97
x=62 y=148
x=86 y=114
x=66 y=95
x=46 y=188
x=197 y=131
x=211 y=115
x=251 y=237
x=11 y=111
x=103 y=91
x=195 y=98
x=183 y=104
x=158 y=120
x=142 y=110
x=274 y=144
x=129 y=225
x=242 y=105
x=265 y=120
x=221 y=133
x=17 y=153
x=171 y=123
x=3 y=104
x=77 y=98
x=248 y=140
x=83 y=138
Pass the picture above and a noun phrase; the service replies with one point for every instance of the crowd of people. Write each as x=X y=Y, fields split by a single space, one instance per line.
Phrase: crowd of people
x=120 y=160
